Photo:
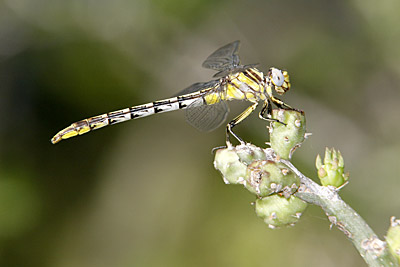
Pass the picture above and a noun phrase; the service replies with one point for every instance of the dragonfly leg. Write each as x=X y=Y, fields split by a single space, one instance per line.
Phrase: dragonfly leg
x=236 y=121
x=267 y=108
x=280 y=104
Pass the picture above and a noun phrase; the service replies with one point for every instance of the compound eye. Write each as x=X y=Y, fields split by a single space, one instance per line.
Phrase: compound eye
x=277 y=77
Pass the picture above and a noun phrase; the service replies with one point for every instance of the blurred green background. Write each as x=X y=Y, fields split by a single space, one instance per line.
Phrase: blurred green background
x=145 y=193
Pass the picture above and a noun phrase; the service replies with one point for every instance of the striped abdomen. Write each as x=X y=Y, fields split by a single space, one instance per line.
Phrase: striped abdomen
x=97 y=122
x=245 y=85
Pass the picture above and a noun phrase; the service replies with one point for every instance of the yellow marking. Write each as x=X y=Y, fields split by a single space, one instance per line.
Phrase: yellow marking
x=233 y=93
x=254 y=73
x=69 y=132
x=251 y=83
x=244 y=79
x=250 y=96
x=232 y=89
x=67 y=135
x=279 y=90
x=256 y=86
x=98 y=121
x=83 y=130
x=269 y=90
x=212 y=98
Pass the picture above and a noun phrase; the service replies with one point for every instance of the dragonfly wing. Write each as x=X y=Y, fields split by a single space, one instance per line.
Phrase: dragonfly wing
x=198 y=87
x=207 y=117
x=239 y=68
x=224 y=58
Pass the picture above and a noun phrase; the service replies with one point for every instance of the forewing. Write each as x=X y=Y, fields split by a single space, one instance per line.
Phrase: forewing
x=207 y=117
x=224 y=58
x=198 y=87
x=239 y=68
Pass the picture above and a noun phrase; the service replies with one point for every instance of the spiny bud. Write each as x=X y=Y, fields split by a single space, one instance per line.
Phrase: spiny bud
x=265 y=177
x=287 y=134
x=232 y=169
x=232 y=162
x=331 y=171
x=278 y=211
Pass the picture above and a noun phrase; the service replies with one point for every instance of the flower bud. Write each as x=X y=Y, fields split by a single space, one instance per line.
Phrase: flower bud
x=331 y=171
x=265 y=177
x=232 y=169
x=287 y=134
x=277 y=211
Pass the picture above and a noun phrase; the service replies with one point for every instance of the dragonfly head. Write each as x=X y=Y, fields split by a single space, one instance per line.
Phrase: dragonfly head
x=279 y=80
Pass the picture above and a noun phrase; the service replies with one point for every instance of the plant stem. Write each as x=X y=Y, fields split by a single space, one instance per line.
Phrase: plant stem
x=374 y=251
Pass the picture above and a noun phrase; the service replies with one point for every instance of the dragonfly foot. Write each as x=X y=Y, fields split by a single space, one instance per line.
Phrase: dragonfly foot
x=217 y=148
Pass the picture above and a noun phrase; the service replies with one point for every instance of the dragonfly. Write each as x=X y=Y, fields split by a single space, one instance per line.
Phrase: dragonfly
x=205 y=102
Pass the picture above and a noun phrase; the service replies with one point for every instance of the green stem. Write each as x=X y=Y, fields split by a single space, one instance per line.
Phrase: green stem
x=374 y=251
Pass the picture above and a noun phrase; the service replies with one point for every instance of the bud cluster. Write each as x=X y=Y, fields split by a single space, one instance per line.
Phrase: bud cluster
x=261 y=173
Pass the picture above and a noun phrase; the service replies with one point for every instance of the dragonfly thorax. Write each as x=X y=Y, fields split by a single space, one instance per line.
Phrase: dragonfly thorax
x=248 y=84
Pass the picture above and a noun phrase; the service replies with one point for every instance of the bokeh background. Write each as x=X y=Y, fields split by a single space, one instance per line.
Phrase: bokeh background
x=145 y=193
